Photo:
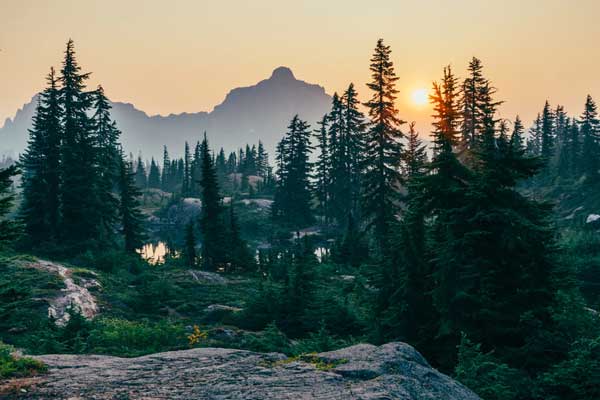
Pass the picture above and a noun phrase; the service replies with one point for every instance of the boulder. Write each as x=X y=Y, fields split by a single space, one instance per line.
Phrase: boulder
x=391 y=371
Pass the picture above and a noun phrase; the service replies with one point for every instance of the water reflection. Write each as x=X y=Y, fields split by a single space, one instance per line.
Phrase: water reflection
x=154 y=253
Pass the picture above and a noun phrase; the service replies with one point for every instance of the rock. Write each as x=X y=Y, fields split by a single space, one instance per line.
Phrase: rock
x=391 y=371
x=222 y=308
x=74 y=294
x=208 y=277
x=592 y=218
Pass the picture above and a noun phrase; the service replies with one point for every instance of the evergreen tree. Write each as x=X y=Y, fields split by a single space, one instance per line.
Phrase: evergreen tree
x=239 y=254
x=534 y=141
x=141 y=178
x=292 y=203
x=516 y=138
x=415 y=156
x=590 y=131
x=196 y=171
x=471 y=103
x=8 y=229
x=353 y=139
x=40 y=209
x=131 y=218
x=383 y=146
x=262 y=160
x=322 y=169
x=166 y=172
x=547 y=133
x=187 y=161
x=109 y=157
x=339 y=180
x=211 y=221
x=80 y=208
x=154 y=175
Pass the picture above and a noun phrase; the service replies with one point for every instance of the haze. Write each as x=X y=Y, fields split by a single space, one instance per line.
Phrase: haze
x=178 y=56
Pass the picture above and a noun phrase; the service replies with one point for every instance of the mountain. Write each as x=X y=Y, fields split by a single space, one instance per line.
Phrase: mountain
x=247 y=114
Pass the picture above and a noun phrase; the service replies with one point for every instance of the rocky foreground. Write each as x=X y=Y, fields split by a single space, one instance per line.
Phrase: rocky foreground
x=391 y=371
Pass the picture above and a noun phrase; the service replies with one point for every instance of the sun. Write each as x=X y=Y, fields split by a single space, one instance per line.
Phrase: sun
x=420 y=97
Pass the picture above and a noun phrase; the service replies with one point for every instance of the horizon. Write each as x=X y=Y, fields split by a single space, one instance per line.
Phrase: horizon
x=32 y=39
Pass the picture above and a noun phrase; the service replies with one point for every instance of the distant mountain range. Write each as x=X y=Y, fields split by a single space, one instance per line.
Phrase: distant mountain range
x=247 y=114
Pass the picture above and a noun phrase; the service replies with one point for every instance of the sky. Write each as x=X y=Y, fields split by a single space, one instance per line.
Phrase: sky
x=185 y=55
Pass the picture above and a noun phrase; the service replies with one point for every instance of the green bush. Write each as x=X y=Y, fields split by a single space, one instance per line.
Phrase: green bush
x=11 y=366
x=485 y=375
x=134 y=338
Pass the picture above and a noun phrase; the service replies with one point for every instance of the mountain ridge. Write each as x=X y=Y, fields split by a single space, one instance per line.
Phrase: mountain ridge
x=247 y=114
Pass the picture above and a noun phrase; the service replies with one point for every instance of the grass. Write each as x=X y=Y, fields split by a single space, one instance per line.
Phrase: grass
x=18 y=367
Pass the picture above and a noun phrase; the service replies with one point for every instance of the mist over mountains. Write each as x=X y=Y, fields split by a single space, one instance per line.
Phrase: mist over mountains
x=247 y=114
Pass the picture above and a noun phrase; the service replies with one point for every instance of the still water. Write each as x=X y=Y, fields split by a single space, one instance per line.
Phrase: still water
x=154 y=253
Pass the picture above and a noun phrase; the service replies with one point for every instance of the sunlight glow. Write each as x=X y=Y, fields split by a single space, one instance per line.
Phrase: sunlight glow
x=420 y=96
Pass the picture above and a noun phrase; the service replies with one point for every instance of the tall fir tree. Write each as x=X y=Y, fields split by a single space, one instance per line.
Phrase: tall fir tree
x=590 y=132
x=9 y=229
x=109 y=157
x=80 y=208
x=354 y=143
x=383 y=146
x=166 y=171
x=322 y=169
x=415 y=155
x=131 y=218
x=471 y=103
x=40 y=164
x=547 y=133
x=154 y=175
x=141 y=177
x=293 y=195
x=211 y=218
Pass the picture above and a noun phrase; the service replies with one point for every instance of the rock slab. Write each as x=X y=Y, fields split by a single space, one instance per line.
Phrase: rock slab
x=390 y=371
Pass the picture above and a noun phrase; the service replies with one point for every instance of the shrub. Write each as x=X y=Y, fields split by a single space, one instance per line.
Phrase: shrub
x=11 y=366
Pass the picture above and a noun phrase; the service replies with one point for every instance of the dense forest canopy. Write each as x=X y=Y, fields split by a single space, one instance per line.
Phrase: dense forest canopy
x=482 y=250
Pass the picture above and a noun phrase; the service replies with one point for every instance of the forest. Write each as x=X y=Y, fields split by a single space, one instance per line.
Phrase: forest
x=476 y=243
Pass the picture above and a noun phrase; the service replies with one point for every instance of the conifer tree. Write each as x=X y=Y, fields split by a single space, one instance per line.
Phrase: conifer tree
x=40 y=209
x=516 y=138
x=211 y=219
x=590 y=132
x=383 y=146
x=196 y=171
x=339 y=180
x=415 y=155
x=8 y=228
x=471 y=103
x=322 y=169
x=141 y=178
x=131 y=218
x=187 y=161
x=154 y=175
x=239 y=254
x=534 y=141
x=262 y=160
x=166 y=172
x=80 y=208
x=353 y=139
x=547 y=133
x=292 y=203
x=109 y=157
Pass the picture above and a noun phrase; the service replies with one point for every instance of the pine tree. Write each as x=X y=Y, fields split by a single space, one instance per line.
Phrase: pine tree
x=262 y=160
x=40 y=209
x=547 y=133
x=239 y=254
x=80 y=208
x=211 y=219
x=590 y=132
x=471 y=103
x=8 y=228
x=575 y=148
x=109 y=157
x=131 y=218
x=534 y=141
x=187 y=161
x=516 y=138
x=339 y=180
x=415 y=156
x=292 y=203
x=154 y=175
x=383 y=146
x=354 y=143
x=196 y=172
x=166 y=172
x=322 y=169
x=141 y=178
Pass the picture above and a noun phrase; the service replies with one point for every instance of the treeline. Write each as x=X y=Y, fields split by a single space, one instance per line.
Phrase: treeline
x=78 y=189
x=458 y=255
x=183 y=175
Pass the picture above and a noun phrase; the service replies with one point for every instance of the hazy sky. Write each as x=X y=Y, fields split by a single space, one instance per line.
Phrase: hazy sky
x=175 y=56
